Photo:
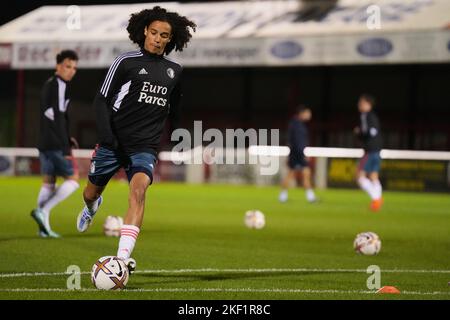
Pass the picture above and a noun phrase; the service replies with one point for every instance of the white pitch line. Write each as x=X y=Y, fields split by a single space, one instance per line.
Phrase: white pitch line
x=38 y=274
x=209 y=270
x=299 y=270
x=223 y=290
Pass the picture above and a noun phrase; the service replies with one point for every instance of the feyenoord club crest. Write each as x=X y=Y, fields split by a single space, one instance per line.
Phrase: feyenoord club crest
x=171 y=73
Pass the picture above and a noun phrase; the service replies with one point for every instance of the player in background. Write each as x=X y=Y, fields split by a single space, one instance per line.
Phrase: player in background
x=298 y=139
x=55 y=144
x=369 y=133
x=141 y=89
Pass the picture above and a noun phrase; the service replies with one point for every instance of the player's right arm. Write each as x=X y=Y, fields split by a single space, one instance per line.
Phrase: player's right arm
x=48 y=101
x=103 y=117
x=175 y=108
x=102 y=104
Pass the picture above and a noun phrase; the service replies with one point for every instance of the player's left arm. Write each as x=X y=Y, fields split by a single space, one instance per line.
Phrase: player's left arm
x=114 y=79
x=304 y=140
x=72 y=142
x=175 y=106
x=68 y=149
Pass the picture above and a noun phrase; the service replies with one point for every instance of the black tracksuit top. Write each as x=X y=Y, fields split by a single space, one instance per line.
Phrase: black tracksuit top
x=54 y=120
x=140 y=90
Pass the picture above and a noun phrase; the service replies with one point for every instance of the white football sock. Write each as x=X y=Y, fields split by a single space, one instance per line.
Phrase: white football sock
x=63 y=191
x=45 y=193
x=378 y=189
x=283 y=196
x=367 y=186
x=128 y=236
x=310 y=195
x=93 y=207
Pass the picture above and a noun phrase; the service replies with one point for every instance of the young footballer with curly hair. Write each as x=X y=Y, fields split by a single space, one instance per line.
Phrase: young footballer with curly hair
x=141 y=89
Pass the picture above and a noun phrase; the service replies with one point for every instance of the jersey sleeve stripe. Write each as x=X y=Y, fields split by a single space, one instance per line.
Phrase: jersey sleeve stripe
x=112 y=70
x=116 y=60
x=123 y=92
x=109 y=73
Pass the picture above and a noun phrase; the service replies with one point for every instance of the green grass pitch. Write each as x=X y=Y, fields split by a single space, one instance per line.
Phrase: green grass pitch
x=194 y=245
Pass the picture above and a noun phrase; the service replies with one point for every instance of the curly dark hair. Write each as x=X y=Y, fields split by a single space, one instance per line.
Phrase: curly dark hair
x=180 y=27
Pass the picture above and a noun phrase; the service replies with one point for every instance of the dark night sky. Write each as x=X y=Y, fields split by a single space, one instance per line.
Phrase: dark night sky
x=19 y=7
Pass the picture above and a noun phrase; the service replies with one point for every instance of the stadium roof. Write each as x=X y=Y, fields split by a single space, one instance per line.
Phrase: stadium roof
x=244 y=33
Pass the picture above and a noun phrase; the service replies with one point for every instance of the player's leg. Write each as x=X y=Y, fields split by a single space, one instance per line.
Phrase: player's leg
x=133 y=218
x=140 y=175
x=375 y=166
x=374 y=178
x=53 y=163
x=285 y=183
x=377 y=200
x=92 y=201
x=310 y=195
x=369 y=180
x=64 y=166
x=91 y=196
x=47 y=189
x=104 y=164
x=45 y=193
x=136 y=199
x=69 y=186
x=299 y=177
x=363 y=182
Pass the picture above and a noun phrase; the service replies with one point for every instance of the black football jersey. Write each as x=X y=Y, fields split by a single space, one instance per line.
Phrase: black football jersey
x=140 y=88
x=54 y=120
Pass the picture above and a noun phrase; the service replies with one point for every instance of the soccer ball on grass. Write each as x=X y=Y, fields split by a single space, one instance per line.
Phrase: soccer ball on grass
x=367 y=243
x=109 y=273
x=254 y=219
x=112 y=226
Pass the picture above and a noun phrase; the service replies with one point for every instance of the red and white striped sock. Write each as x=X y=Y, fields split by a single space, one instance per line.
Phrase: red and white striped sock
x=128 y=236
